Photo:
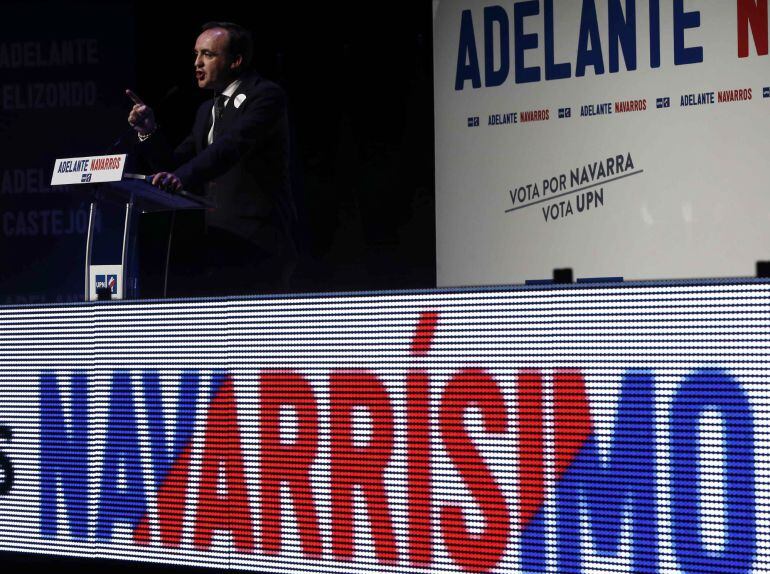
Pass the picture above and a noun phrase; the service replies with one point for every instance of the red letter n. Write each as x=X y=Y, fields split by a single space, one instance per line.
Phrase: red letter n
x=752 y=13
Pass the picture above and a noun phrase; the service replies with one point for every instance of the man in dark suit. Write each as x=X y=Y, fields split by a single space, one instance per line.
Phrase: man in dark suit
x=237 y=155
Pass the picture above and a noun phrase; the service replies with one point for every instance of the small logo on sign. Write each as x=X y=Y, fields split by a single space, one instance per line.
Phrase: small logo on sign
x=107 y=281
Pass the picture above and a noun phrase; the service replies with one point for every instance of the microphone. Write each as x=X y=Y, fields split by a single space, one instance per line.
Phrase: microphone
x=170 y=93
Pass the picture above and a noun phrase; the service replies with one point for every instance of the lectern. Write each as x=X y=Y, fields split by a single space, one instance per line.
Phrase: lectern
x=104 y=174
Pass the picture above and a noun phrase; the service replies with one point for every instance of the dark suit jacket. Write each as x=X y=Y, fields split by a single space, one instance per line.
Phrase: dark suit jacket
x=245 y=171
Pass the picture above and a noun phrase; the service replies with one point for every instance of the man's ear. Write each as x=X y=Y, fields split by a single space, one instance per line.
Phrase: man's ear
x=236 y=63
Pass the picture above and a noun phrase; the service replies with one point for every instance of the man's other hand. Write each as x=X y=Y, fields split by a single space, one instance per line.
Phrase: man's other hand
x=167 y=181
x=141 y=117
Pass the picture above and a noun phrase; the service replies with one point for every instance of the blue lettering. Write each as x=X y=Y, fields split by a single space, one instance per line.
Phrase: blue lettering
x=589 y=35
x=524 y=42
x=121 y=500
x=533 y=551
x=623 y=33
x=713 y=390
x=467 y=57
x=494 y=77
x=63 y=455
x=682 y=21
x=655 y=33
x=622 y=482
x=162 y=457
x=553 y=71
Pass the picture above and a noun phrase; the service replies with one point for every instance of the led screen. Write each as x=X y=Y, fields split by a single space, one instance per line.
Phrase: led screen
x=562 y=429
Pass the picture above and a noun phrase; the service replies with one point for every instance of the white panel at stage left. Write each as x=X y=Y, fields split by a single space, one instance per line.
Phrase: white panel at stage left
x=523 y=180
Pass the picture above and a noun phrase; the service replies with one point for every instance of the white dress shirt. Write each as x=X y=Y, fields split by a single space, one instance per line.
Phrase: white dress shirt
x=227 y=93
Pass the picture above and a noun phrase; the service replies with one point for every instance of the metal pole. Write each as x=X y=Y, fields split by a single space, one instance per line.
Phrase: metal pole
x=89 y=249
x=124 y=256
x=168 y=253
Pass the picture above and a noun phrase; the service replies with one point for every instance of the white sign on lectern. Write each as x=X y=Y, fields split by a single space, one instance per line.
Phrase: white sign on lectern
x=92 y=169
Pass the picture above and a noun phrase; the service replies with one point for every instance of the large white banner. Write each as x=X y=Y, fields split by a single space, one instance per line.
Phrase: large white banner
x=619 y=137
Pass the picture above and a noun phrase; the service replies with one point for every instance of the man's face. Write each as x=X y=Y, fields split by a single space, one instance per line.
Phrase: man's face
x=213 y=65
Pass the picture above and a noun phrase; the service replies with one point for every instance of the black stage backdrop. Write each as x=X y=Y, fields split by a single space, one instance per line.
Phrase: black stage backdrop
x=359 y=81
x=61 y=74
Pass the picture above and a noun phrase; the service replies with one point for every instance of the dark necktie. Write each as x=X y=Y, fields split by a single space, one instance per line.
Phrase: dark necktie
x=219 y=106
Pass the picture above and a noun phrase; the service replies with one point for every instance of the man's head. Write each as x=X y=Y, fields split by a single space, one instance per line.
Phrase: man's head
x=222 y=52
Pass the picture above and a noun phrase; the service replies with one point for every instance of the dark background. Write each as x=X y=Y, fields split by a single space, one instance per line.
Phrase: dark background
x=359 y=82
x=42 y=261
x=358 y=77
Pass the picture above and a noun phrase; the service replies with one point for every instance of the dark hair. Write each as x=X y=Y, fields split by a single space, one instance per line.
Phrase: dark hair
x=240 y=41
